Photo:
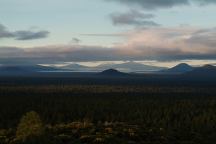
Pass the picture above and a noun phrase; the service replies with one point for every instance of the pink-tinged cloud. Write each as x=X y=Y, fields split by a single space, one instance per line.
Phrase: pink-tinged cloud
x=181 y=39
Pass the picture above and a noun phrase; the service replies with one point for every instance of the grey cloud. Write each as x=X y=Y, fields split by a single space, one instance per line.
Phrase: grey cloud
x=205 y=37
x=4 y=33
x=29 y=35
x=22 y=34
x=95 y=53
x=59 y=53
x=155 y=4
x=104 y=35
x=133 y=17
x=205 y=2
x=12 y=51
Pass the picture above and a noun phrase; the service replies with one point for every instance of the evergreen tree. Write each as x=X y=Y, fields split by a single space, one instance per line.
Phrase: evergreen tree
x=30 y=126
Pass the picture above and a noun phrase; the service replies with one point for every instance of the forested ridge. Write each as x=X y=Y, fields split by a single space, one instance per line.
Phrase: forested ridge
x=79 y=114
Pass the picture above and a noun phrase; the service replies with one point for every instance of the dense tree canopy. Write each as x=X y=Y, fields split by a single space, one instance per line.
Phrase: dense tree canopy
x=107 y=114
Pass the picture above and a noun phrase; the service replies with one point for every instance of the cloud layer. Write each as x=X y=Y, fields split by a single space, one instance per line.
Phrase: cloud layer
x=177 y=43
x=22 y=34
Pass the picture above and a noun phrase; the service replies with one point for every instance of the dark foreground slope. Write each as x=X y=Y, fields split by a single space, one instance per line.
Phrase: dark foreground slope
x=80 y=114
x=62 y=78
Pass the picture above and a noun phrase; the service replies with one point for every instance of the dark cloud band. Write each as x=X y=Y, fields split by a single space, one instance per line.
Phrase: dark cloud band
x=152 y=4
x=155 y=4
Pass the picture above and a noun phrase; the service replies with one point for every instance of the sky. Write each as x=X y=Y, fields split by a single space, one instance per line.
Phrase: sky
x=84 y=31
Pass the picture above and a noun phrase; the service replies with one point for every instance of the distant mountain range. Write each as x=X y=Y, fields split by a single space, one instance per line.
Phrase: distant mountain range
x=130 y=67
x=75 y=67
x=124 y=67
x=111 y=72
x=178 y=69
x=25 y=68
x=115 y=69
x=205 y=72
